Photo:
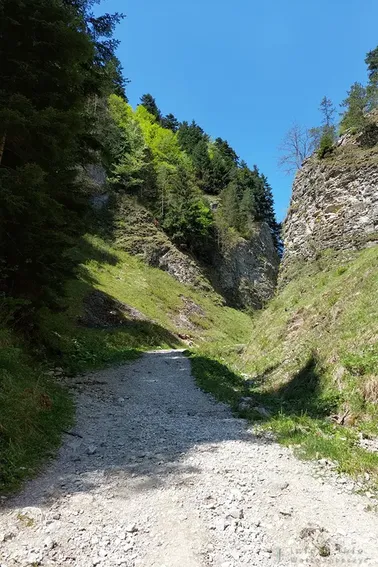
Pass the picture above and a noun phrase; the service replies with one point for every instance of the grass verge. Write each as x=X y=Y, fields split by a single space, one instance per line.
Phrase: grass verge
x=33 y=411
x=311 y=362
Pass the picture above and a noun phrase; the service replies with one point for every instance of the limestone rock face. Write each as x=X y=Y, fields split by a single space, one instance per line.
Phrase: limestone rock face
x=243 y=272
x=246 y=273
x=139 y=234
x=334 y=204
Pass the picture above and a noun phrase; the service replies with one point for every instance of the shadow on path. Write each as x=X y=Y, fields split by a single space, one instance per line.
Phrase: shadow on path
x=136 y=426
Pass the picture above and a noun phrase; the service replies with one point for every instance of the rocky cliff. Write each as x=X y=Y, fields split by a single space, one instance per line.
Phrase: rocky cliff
x=334 y=204
x=244 y=272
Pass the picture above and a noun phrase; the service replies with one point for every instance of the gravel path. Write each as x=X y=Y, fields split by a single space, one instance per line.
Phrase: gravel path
x=162 y=475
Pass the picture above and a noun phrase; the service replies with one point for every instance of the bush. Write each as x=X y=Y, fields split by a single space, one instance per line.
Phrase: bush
x=326 y=145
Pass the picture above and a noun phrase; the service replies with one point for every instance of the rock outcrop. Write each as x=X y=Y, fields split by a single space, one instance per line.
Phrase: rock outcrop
x=246 y=271
x=334 y=204
x=243 y=272
x=138 y=233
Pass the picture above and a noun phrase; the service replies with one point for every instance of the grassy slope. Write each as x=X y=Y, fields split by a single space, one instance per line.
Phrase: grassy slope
x=314 y=359
x=33 y=412
x=151 y=291
x=313 y=354
x=33 y=409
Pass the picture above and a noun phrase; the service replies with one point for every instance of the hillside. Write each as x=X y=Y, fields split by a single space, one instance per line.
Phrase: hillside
x=312 y=362
x=124 y=229
x=114 y=309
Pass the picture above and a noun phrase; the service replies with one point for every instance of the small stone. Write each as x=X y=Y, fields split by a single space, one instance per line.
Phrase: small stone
x=91 y=449
x=35 y=557
x=49 y=544
x=237 y=514
x=223 y=523
x=7 y=536
x=131 y=529
x=286 y=511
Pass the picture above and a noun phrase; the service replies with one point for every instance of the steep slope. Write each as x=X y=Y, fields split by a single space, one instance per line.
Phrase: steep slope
x=154 y=310
x=243 y=271
x=334 y=202
x=310 y=369
x=116 y=308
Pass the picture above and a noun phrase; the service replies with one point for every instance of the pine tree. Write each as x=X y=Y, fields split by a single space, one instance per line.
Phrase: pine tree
x=54 y=65
x=226 y=151
x=372 y=88
x=354 y=117
x=230 y=207
x=219 y=176
x=189 y=135
x=202 y=163
x=170 y=122
x=328 y=112
x=187 y=219
x=149 y=103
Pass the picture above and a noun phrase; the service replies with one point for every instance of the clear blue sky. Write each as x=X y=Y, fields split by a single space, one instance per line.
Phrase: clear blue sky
x=246 y=70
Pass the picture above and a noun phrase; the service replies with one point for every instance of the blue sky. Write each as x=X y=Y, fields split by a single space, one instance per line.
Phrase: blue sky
x=246 y=70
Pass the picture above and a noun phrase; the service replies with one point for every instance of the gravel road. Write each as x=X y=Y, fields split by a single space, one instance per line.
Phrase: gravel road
x=158 y=474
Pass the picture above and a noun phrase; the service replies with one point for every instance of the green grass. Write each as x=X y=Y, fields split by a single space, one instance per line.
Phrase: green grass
x=154 y=293
x=33 y=412
x=313 y=356
x=33 y=408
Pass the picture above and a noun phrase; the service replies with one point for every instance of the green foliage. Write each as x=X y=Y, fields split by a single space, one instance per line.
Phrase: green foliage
x=247 y=199
x=326 y=143
x=328 y=111
x=56 y=63
x=170 y=122
x=186 y=219
x=149 y=103
x=168 y=169
x=189 y=135
x=354 y=117
x=33 y=412
x=372 y=87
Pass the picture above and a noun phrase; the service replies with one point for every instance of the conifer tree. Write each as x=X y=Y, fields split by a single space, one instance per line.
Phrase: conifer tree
x=189 y=135
x=355 y=115
x=372 y=88
x=149 y=103
x=202 y=163
x=54 y=64
x=170 y=122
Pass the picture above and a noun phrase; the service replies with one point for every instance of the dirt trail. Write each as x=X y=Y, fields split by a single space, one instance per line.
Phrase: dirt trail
x=162 y=475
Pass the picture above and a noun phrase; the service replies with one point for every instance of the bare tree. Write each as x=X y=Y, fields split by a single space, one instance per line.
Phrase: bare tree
x=297 y=145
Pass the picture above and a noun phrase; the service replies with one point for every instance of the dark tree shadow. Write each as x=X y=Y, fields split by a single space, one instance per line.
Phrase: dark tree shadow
x=302 y=394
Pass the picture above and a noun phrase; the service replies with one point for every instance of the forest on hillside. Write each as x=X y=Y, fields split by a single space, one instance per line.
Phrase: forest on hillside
x=63 y=107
